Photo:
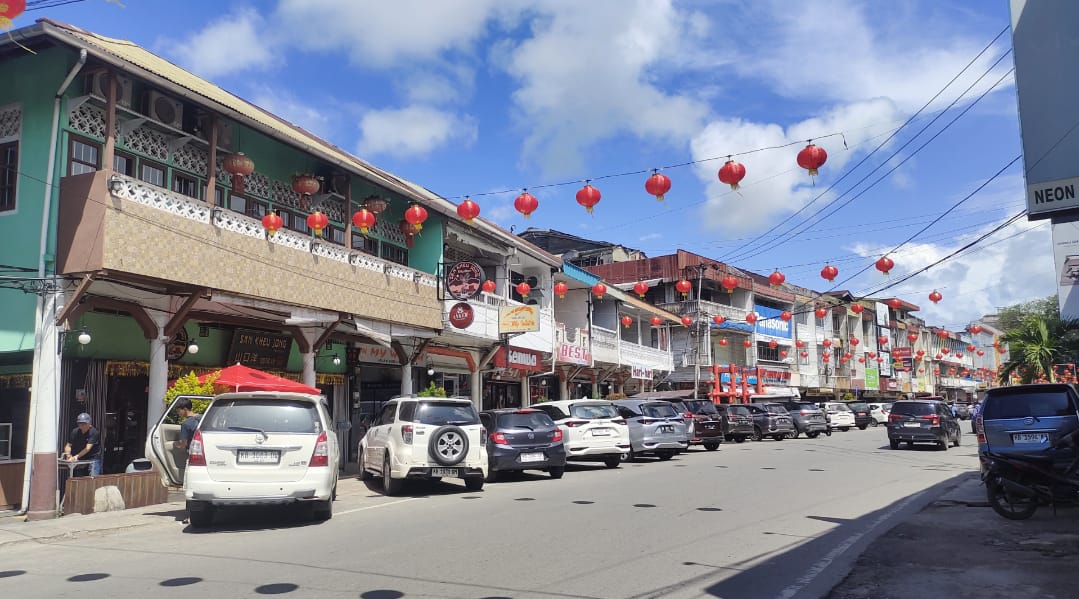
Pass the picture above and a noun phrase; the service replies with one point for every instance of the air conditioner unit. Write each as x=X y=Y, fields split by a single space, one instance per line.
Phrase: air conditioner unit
x=165 y=110
x=224 y=132
x=96 y=86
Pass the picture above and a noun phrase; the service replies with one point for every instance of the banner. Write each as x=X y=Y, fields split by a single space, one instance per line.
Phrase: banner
x=769 y=323
x=882 y=314
x=518 y=319
x=520 y=359
x=640 y=372
x=872 y=379
x=574 y=354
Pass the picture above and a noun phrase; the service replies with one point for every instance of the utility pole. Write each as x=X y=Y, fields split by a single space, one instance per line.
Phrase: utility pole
x=700 y=268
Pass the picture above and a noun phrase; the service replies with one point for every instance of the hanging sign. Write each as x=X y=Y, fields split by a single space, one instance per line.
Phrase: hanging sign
x=574 y=354
x=461 y=315
x=518 y=319
x=260 y=349
x=463 y=280
x=640 y=372
x=520 y=359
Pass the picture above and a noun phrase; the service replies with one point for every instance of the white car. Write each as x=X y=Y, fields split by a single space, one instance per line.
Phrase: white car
x=839 y=415
x=251 y=448
x=424 y=438
x=879 y=412
x=592 y=429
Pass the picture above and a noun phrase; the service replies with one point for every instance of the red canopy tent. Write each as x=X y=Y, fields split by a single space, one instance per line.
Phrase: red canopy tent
x=241 y=378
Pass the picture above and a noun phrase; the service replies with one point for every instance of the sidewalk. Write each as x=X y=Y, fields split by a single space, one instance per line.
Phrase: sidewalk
x=958 y=547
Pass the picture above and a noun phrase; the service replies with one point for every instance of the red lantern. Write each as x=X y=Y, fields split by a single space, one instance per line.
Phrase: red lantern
x=855 y=341
x=686 y=321
x=489 y=286
x=729 y=282
x=598 y=290
x=751 y=318
x=799 y=344
x=747 y=344
x=921 y=370
x=375 y=204
x=588 y=197
x=882 y=340
x=9 y=9
x=935 y=296
x=626 y=321
x=239 y=166
x=723 y=342
x=732 y=173
x=272 y=222
x=305 y=185
x=880 y=360
x=861 y=360
x=980 y=353
x=885 y=264
x=920 y=352
x=826 y=357
x=409 y=232
x=829 y=273
x=363 y=220
x=415 y=215
x=872 y=355
x=560 y=289
x=317 y=221
x=657 y=185
x=683 y=286
x=718 y=319
x=785 y=316
x=827 y=342
x=944 y=350
x=942 y=334
x=939 y=357
x=773 y=344
x=468 y=210
x=936 y=371
x=821 y=312
x=776 y=278
x=804 y=354
x=812 y=158
x=1002 y=350
x=857 y=308
x=656 y=321
x=523 y=289
x=970 y=347
x=782 y=353
x=975 y=329
x=959 y=355
x=912 y=337
x=640 y=288
x=526 y=204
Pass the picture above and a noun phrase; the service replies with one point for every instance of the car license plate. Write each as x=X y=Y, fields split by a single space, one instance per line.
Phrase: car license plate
x=444 y=472
x=532 y=457
x=253 y=456
x=1026 y=438
x=913 y=424
x=601 y=432
x=666 y=429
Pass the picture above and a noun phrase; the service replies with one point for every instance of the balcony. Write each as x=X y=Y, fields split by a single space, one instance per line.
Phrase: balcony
x=149 y=232
x=485 y=322
x=710 y=308
x=608 y=347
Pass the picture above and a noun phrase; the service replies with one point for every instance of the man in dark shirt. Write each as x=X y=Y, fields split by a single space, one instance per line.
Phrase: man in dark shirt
x=190 y=423
x=84 y=443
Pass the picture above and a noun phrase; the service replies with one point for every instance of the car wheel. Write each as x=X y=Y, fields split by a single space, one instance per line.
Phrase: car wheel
x=665 y=455
x=711 y=446
x=844 y=428
x=390 y=485
x=795 y=434
x=448 y=445
x=492 y=474
x=779 y=437
x=474 y=483
x=863 y=427
x=200 y=513
x=813 y=435
x=943 y=445
x=556 y=471
x=613 y=461
x=362 y=463
x=757 y=435
x=893 y=443
x=874 y=423
x=958 y=438
x=322 y=510
x=739 y=439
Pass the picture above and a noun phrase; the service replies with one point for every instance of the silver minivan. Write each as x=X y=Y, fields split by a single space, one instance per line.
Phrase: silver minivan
x=1026 y=419
x=655 y=428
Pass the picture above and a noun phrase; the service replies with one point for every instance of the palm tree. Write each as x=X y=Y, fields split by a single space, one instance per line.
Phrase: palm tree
x=1035 y=346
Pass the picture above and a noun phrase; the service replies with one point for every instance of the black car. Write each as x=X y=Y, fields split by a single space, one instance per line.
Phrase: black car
x=771 y=420
x=522 y=439
x=863 y=418
x=707 y=423
x=737 y=422
x=808 y=418
x=923 y=421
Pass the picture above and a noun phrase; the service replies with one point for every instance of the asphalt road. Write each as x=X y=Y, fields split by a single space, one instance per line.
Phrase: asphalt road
x=768 y=519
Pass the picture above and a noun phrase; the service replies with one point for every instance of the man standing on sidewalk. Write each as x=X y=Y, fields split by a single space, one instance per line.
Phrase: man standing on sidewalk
x=84 y=443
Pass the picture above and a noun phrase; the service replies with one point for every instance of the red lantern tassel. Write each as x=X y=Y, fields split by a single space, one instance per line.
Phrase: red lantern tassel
x=238 y=184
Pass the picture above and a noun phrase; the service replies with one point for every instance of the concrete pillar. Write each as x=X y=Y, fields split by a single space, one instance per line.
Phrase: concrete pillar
x=41 y=496
x=477 y=389
x=526 y=399
x=308 y=376
x=406 y=379
x=159 y=372
x=563 y=385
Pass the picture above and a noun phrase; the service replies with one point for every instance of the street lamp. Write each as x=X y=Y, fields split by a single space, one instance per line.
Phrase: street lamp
x=336 y=360
x=193 y=347
x=83 y=338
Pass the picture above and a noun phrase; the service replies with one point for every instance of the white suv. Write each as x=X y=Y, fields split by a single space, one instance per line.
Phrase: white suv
x=592 y=429
x=425 y=438
x=839 y=414
x=251 y=448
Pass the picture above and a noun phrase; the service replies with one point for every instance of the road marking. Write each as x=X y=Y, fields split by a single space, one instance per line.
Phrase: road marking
x=819 y=567
x=373 y=507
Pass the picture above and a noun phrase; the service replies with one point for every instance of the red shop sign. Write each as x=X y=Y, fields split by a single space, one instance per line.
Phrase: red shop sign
x=521 y=359
x=461 y=315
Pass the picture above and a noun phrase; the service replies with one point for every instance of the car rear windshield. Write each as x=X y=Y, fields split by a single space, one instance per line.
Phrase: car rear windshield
x=658 y=410
x=809 y=406
x=838 y=407
x=738 y=411
x=914 y=408
x=1045 y=404
x=859 y=407
x=776 y=409
x=261 y=414
x=439 y=413
x=701 y=406
x=593 y=411
x=526 y=420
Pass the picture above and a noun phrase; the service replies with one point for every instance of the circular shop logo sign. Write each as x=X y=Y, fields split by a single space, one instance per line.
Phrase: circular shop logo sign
x=463 y=280
x=461 y=315
x=177 y=346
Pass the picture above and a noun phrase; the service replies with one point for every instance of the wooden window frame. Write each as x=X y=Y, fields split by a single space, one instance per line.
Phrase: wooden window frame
x=131 y=159
x=9 y=178
x=367 y=245
x=71 y=141
x=143 y=163
x=197 y=185
x=401 y=252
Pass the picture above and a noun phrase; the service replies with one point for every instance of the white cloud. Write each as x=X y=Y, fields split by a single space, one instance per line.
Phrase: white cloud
x=230 y=44
x=413 y=131
x=293 y=110
x=429 y=86
x=650 y=237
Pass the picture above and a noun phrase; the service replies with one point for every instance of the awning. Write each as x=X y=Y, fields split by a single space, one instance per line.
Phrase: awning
x=384 y=332
x=242 y=378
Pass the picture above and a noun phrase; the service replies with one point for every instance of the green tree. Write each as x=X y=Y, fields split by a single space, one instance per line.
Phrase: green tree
x=189 y=385
x=1034 y=346
x=1014 y=317
x=432 y=390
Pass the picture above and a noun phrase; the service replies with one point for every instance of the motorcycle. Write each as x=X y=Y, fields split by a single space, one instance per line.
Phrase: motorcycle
x=1016 y=485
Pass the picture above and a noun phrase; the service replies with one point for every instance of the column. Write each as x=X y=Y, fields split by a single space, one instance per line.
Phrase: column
x=159 y=371
x=308 y=376
x=563 y=384
x=406 y=379
x=41 y=497
x=595 y=385
x=526 y=399
x=477 y=389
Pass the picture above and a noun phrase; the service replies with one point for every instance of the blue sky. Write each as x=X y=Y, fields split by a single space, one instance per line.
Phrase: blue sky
x=469 y=97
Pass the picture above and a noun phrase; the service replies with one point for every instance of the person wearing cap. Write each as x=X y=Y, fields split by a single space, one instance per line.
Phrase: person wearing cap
x=84 y=443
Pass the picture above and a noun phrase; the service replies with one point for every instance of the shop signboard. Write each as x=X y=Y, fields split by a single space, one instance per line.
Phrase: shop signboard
x=769 y=323
x=574 y=354
x=519 y=359
x=883 y=317
x=885 y=364
x=371 y=353
x=640 y=372
x=463 y=280
x=518 y=319
x=262 y=350
x=872 y=379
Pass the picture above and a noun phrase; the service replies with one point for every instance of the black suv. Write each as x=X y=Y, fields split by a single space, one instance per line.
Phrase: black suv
x=771 y=420
x=737 y=422
x=703 y=422
x=808 y=418
x=862 y=416
x=923 y=421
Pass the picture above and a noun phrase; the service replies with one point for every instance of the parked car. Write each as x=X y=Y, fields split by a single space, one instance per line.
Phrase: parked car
x=592 y=429
x=737 y=422
x=523 y=439
x=839 y=415
x=426 y=438
x=862 y=418
x=879 y=412
x=923 y=421
x=808 y=418
x=251 y=448
x=655 y=428
x=1026 y=419
x=962 y=410
x=771 y=420
x=706 y=424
